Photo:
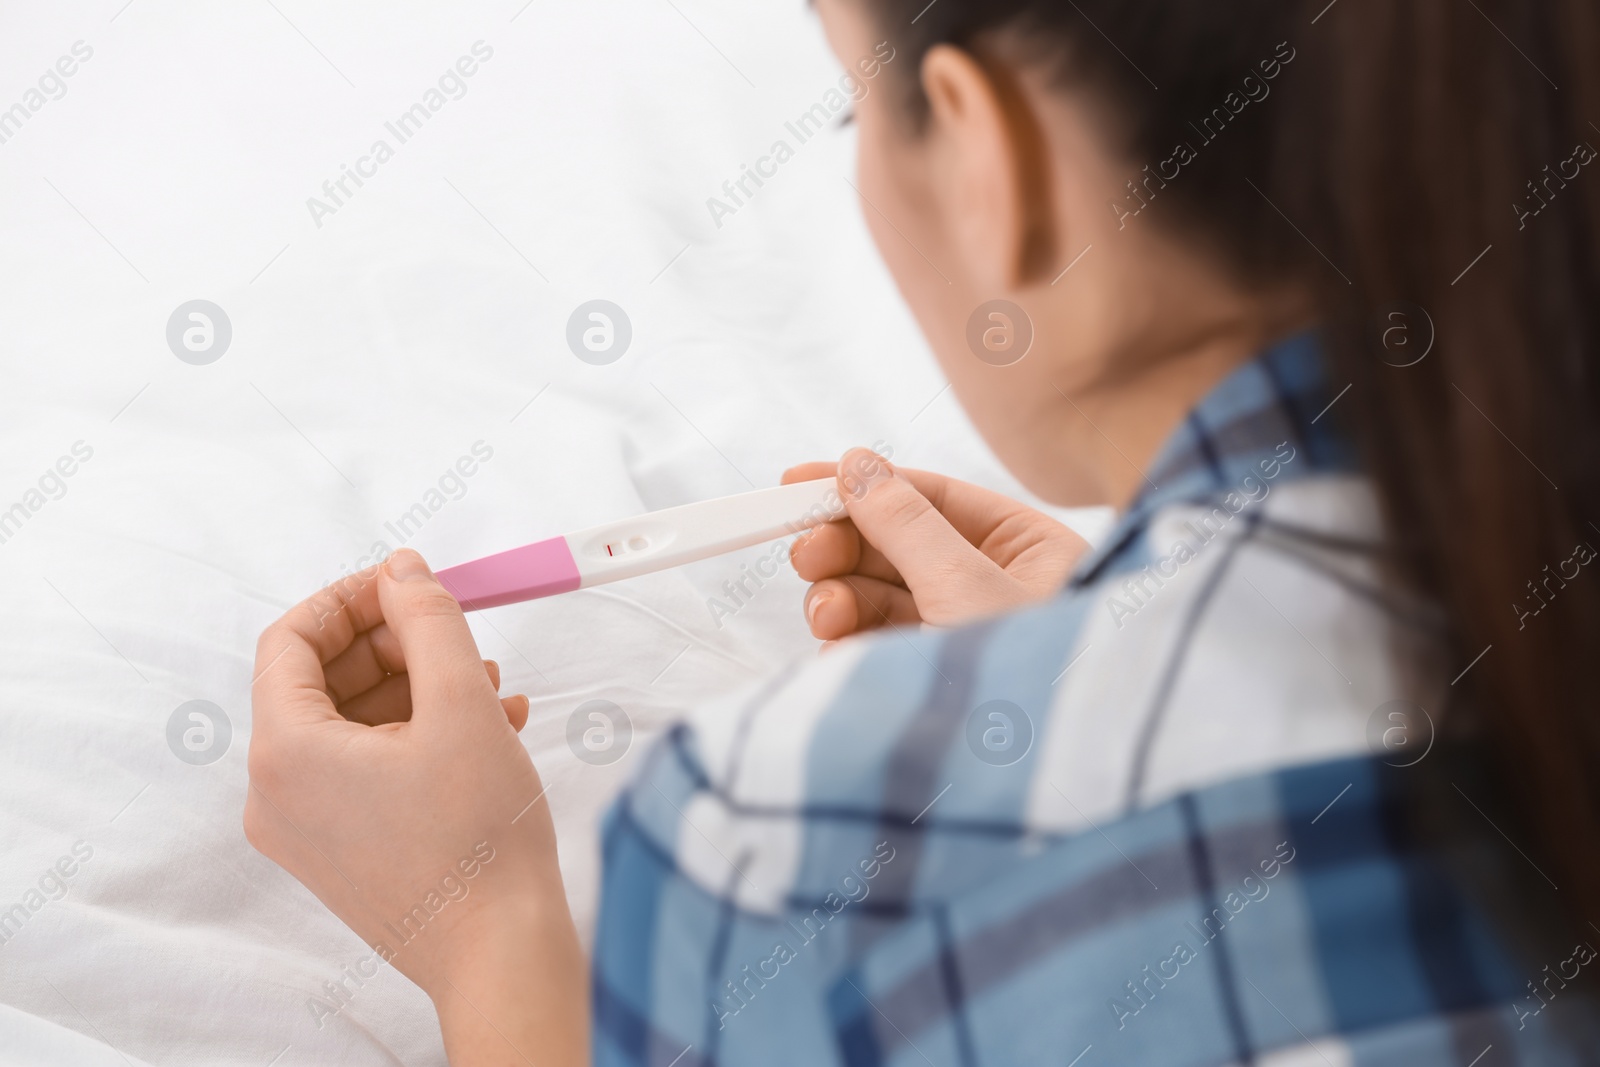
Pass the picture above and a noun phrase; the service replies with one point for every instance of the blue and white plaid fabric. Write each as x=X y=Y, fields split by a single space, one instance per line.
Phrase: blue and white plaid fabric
x=1136 y=824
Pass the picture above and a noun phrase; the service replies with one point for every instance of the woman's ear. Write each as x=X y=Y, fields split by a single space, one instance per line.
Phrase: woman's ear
x=990 y=172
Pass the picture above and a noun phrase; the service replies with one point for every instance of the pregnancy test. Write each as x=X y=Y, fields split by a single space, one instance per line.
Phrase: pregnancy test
x=646 y=543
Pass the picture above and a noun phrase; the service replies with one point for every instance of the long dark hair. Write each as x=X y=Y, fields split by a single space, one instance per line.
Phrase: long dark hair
x=1422 y=167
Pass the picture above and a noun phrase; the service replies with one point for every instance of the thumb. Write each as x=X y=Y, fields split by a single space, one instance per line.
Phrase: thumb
x=889 y=512
x=440 y=655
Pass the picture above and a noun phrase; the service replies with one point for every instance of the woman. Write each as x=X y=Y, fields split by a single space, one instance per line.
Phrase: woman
x=1288 y=770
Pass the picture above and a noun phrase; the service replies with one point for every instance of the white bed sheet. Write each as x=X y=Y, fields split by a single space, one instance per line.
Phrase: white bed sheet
x=423 y=317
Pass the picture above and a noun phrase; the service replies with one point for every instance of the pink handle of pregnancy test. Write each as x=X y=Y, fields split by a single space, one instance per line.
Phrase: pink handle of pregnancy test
x=543 y=568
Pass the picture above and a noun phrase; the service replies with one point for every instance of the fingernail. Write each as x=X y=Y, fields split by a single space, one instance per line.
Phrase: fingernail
x=406 y=566
x=815 y=604
x=861 y=469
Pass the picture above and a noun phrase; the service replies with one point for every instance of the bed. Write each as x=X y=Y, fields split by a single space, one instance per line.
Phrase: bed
x=379 y=362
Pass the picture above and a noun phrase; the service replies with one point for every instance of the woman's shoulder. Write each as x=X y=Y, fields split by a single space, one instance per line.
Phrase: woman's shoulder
x=1205 y=648
x=1268 y=912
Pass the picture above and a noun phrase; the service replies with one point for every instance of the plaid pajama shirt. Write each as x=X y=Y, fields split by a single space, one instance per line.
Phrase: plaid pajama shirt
x=1140 y=823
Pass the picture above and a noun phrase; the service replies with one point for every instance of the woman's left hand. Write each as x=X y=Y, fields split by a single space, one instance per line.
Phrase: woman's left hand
x=387 y=776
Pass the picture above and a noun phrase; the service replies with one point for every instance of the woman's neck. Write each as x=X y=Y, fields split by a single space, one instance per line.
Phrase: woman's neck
x=1116 y=426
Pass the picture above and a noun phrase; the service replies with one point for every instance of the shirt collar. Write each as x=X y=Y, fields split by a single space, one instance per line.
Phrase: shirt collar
x=1272 y=414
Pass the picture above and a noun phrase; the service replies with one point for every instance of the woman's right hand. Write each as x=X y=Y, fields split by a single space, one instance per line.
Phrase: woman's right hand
x=920 y=547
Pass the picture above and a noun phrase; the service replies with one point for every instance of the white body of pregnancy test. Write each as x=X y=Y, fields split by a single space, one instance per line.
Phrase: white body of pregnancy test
x=651 y=542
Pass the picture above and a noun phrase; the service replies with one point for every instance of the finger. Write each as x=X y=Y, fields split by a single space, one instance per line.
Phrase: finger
x=975 y=512
x=980 y=515
x=371 y=657
x=809 y=472
x=817 y=553
x=1028 y=545
x=447 y=673
x=826 y=552
x=903 y=524
x=838 y=607
x=837 y=549
x=288 y=684
x=330 y=618
x=387 y=702
x=516 y=711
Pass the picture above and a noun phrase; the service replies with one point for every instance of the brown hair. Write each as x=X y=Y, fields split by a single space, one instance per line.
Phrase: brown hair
x=1419 y=152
